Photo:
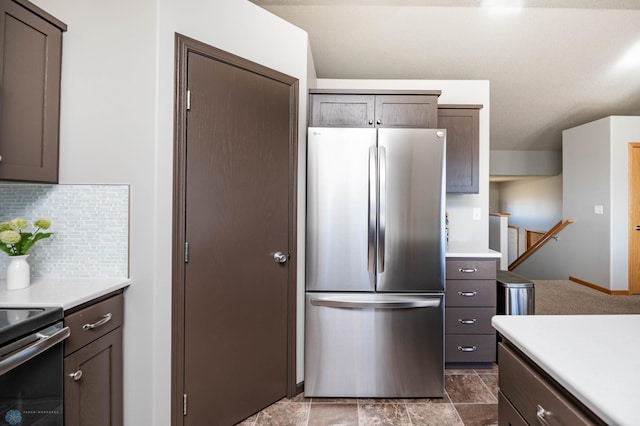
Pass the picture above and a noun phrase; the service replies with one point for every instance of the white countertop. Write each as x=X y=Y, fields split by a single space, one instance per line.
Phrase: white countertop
x=64 y=292
x=465 y=249
x=595 y=357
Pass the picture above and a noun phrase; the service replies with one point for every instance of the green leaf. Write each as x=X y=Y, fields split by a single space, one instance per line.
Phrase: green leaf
x=5 y=249
x=28 y=243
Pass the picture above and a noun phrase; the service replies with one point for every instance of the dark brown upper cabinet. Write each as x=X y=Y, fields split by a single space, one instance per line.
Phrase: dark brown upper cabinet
x=462 y=123
x=30 y=61
x=358 y=108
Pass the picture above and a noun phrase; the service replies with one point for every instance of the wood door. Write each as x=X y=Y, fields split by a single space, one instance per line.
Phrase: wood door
x=239 y=211
x=634 y=218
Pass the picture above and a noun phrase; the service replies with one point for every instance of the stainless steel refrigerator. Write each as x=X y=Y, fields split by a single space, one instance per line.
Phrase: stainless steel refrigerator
x=375 y=263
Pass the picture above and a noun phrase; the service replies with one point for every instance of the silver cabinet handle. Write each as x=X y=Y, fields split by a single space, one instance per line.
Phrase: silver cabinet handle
x=0 y=158
x=76 y=375
x=370 y=122
x=468 y=270
x=105 y=319
x=467 y=293
x=279 y=257
x=543 y=415
x=378 y=122
x=467 y=321
x=467 y=348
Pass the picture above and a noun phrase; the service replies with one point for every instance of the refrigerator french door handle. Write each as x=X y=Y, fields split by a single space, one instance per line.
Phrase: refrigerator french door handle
x=334 y=302
x=373 y=202
x=382 y=217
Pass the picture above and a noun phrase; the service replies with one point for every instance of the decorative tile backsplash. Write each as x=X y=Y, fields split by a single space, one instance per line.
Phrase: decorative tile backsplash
x=90 y=225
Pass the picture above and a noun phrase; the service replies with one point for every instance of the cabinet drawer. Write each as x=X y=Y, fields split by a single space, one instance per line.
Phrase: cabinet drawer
x=469 y=320
x=530 y=392
x=470 y=348
x=93 y=322
x=472 y=269
x=507 y=415
x=471 y=293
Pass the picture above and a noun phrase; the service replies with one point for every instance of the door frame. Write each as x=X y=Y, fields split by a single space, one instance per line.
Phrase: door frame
x=183 y=46
x=632 y=288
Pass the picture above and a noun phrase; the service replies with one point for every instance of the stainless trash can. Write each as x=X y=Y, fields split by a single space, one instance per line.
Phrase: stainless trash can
x=515 y=295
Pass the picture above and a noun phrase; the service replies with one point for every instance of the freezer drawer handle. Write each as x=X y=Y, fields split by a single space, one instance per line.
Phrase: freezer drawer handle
x=467 y=321
x=467 y=293
x=468 y=270
x=467 y=348
x=396 y=304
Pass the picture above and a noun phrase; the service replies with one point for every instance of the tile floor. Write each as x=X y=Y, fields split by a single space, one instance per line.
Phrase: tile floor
x=471 y=400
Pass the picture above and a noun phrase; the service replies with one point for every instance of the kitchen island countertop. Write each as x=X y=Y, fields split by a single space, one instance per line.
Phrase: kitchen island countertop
x=60 y=292
x=594 y=357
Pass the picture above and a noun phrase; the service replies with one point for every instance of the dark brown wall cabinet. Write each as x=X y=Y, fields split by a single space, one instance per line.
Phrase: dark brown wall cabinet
x=373 y=109
x=93 y=365
x=463 y=139
x=470 y=340
x=30 y=58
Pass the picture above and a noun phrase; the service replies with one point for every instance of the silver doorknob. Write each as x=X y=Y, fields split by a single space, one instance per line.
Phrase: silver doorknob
x=638 y=228
x=279 y=257
x=77 y=375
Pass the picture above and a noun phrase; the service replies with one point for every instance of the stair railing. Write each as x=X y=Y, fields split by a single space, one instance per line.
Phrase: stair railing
x=551 y=233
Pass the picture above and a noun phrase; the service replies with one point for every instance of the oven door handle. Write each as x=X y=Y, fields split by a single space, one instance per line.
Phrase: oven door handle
x=44 y=342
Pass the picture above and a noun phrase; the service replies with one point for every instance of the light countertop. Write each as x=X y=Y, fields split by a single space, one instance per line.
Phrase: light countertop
x=465 y=249
x=595 y=357
x=64 y=292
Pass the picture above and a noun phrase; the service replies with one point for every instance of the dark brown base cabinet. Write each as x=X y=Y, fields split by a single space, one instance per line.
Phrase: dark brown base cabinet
x=30 y=64
x=93 y=365
x=528 y=396
x=470 y=302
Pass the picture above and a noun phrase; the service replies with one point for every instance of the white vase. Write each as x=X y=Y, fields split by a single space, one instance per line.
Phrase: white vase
x=18 y=273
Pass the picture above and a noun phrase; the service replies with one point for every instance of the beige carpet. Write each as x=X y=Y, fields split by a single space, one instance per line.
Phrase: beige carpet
x=564 y=297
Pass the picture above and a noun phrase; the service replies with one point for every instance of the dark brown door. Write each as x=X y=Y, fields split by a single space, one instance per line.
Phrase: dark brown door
x=238 y=192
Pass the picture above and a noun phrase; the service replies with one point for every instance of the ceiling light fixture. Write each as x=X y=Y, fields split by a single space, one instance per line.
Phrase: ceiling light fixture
x=503 y=7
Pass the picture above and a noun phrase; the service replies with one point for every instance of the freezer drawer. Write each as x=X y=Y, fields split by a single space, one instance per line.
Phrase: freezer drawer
x=374 y=345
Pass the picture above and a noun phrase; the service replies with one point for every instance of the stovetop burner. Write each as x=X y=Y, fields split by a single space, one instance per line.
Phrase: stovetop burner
x=18 y=322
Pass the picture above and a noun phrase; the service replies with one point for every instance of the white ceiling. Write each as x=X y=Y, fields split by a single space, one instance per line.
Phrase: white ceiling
x=552 y=66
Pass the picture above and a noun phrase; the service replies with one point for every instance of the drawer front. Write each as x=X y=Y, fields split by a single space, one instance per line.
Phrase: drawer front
x=469 y=320
x=530 y=393
x=472 y=269
x=507 y=415
x=470 y=348
x=471 y=293
x=93 y=322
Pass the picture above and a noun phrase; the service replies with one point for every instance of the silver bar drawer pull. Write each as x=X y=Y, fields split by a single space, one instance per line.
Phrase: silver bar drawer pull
x=467 y=321
x=105 y=319
x=544 y=416
x=467 y=293
x=467 y=348
x=468 y=270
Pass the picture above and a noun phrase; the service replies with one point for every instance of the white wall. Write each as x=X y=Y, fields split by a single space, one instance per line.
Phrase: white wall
x=534 y=203
x=117 y=127
x=462 y=227
x=595 y=173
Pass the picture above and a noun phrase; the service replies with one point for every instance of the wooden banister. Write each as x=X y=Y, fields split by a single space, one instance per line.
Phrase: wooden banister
x=551 y=233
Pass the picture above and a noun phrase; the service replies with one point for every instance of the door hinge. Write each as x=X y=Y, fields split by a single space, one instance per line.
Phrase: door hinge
x=188 y=100
x=186 y=252
x=184 y=404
